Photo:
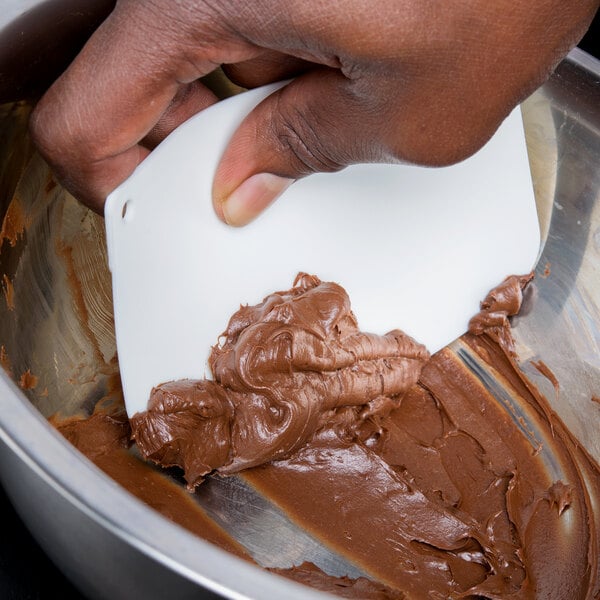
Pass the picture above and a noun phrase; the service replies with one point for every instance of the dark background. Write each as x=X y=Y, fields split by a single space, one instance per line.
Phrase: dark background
x=591 y=42
x=25 y=571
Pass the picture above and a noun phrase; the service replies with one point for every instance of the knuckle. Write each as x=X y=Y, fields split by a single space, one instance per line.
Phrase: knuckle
x=303 y=138
x=40 y=130
x=58 y=138
x=63 y=143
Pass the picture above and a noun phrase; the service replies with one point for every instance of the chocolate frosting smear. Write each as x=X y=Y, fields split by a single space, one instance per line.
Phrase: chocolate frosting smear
x=286 y=369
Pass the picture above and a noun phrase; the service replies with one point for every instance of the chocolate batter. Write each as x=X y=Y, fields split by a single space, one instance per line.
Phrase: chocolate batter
x=442 y=478
x=287 y=368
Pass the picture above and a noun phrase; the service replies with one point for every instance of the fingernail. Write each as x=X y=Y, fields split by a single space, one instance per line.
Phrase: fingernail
x=254 y=195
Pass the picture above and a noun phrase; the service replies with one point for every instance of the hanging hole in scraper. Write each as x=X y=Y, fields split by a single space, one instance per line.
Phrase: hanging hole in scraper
x=127 y=210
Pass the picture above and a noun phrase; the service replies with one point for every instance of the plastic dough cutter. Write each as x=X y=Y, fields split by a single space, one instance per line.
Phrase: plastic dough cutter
x=416 y=248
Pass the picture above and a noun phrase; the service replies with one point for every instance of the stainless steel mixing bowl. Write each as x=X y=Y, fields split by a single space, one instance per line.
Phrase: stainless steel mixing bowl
x=58 y=352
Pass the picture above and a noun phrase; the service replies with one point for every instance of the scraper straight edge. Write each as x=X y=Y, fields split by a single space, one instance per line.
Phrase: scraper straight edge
x=416 y=248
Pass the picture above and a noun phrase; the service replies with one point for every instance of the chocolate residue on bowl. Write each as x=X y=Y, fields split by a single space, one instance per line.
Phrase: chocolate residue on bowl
x=28 y=381
x=461 y=484
x=105 y=438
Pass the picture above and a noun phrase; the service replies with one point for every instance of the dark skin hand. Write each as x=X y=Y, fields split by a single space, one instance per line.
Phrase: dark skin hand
x=424 y=82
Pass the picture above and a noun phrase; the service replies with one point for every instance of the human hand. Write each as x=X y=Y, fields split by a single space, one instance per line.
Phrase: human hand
x=398 y=81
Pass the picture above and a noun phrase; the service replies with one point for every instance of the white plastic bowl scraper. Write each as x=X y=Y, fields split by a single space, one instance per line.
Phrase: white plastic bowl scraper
x=416 y=248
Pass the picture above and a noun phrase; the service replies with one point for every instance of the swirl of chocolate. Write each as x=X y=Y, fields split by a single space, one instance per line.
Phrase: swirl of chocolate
x=286 y=368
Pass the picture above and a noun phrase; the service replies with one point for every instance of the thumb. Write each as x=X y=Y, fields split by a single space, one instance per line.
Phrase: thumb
x=320 y=122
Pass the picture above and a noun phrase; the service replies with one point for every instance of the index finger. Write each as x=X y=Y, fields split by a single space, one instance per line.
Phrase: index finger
x=89 y=124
